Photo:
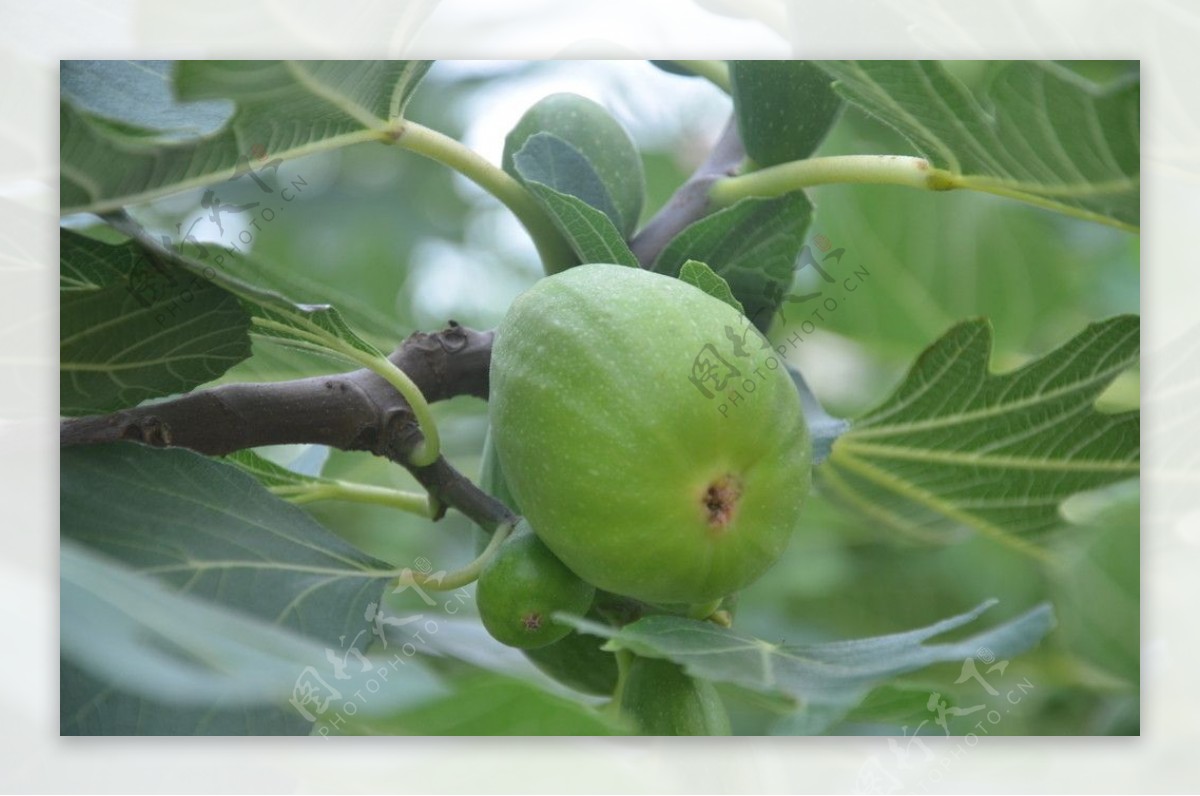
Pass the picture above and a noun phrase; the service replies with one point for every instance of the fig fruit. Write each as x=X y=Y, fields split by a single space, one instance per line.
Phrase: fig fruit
x=784 y=109
x=577 y=661
x=522 y=587
x=599 y=137
x=651 y=435
x=663 y=700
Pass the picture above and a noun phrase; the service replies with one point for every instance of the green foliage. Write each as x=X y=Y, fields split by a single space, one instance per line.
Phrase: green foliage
x=328 y=104
x=1098 y=592
x=753 y=245
x=492 y=705
x=921 y=262
x=1042 y=133
x=699 y=275
x=196 y=601
x=492 y=481
x=133 y=328
x=600 y=140
x=823 y=680
x=568 y=187
x=140 y=657
x=956 y=446
x=190 y=525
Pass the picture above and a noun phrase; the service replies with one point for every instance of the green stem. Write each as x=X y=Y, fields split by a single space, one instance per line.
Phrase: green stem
x=1046 y=200
x=456 y=579
x=624 y=661
x=797 y=174
x=715 y=72
x=551 y=246
x=412 y=502
x=704 y=610
x=901 y=170
x=430 y=448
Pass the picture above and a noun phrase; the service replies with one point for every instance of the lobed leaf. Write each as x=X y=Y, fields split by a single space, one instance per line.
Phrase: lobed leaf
x=318 y=327
x=203 y=529
x=825 y=679
x=958 y=447
x=284 y=109
x=1041 y=134
x=133 y=327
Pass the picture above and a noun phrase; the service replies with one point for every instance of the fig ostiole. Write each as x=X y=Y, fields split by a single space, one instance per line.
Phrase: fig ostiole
x=650 y=434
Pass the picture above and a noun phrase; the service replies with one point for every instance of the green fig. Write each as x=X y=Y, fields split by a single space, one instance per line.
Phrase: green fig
x=663 y=700
x=784 y=109
x=651 y=435
x=576 y=660
x=521 y=589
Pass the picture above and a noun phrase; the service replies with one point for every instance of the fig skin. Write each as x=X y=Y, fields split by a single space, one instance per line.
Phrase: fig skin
x=576 y=660
x=639 y=481
x=663 y=700
x=521 y=589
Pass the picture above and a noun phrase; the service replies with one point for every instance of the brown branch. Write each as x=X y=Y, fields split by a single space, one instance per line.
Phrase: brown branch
x=690 y=201
x=350 y=411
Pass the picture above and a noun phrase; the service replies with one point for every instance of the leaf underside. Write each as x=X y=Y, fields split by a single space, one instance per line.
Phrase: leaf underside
x=1041 y=133
x=325 y=104
x=204 y=530
x=827 y=679
x=957 y=447
x=134 y=328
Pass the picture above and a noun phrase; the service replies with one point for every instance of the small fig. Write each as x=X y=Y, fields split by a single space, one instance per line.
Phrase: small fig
x=576 y=660
x=522 y=587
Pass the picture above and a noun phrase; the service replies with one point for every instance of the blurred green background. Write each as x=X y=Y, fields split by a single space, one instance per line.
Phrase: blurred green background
x=399 y=244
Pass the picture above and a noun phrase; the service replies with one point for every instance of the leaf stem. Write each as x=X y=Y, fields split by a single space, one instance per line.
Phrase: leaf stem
x=703 y=611
x=624 y=661
x=912 y=172
x=797 y=174
x=413 y=502
x=551 y=246
x=456 y=579
x=429 y=449
x=715 y=72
